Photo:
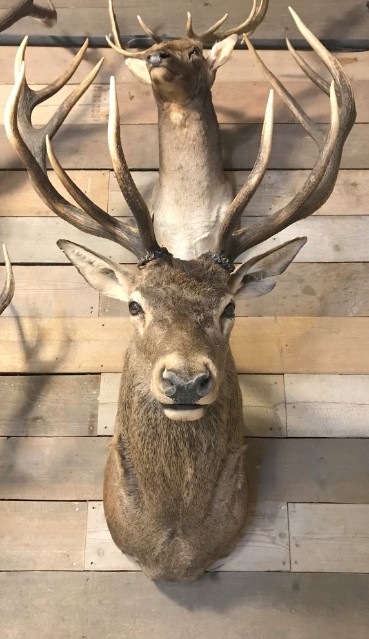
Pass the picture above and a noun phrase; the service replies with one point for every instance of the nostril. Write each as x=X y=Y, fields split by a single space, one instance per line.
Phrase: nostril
x=204 y=384
x=155 y=59
x=168 y=383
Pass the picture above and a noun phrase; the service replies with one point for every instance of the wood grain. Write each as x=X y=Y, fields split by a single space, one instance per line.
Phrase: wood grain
x=264 y=546
x=309 y=470
x=67 y=468
x=327 y=405
x=40 y=605
x=50 y=405
x=263 y=401
x=42 y=535
x=51 y=291
x=19 y=199
x=329 y=537
x=260 y=345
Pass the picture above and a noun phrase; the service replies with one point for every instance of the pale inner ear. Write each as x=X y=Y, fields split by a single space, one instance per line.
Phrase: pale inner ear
x=101 y=273
x=221 y=52
x=139 y=69
x=254 y=277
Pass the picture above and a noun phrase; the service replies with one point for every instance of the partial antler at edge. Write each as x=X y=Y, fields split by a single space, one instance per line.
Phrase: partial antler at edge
x=7 y=293
x=23 y=8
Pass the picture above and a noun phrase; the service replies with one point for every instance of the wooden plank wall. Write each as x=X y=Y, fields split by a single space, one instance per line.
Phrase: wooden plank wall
x=302 y=352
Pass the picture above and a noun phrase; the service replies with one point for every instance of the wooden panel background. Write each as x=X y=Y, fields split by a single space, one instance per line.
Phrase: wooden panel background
x=302 y=353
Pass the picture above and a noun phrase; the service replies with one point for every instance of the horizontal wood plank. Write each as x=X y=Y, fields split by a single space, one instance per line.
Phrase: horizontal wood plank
x=55 y=468
x=260 y=345
x=278 y=605
x=234 y=102
x=51 y=291
x=42 y=535
x=18 y=197
x=84 y=146
x=280 y=470
x=50 y=405
x=349 y=196
x=329 y=537
x=262 y=397
x=240 y=68
x=263 y=547
x=330 y=239
x=309 y=470
x=75 y=20
x=327 y=405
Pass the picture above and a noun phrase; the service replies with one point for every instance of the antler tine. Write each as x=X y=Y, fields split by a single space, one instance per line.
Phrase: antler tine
x=203 y=37
x=286 y=96
x=89 y=218
x=249 y=188
x=321 y=180
x=30 y=98
x=308 y=70
x=7 y=293
x=35 y=97
x=126 y=183
x=249 y=25
x=117 y=44
x=148 y=31
x=48 y=16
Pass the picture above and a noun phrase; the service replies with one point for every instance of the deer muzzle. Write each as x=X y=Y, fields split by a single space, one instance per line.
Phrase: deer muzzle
x=184 y=393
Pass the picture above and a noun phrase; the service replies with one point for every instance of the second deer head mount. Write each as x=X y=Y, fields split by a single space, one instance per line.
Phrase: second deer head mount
x=192 y=183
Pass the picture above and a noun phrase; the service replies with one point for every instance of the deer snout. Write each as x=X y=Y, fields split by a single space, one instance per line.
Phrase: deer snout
x=183 y=390
x=155 y=59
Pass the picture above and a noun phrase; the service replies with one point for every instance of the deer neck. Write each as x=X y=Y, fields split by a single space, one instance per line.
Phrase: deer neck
x=191 y=178
x=182 y=456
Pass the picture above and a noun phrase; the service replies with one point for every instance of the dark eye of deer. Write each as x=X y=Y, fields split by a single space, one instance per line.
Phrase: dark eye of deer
x=135 y=308
x=228 y=312
x=195 y=51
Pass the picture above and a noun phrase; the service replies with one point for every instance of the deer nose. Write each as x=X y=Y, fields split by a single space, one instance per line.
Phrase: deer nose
x=186 y=391
x=155 y=59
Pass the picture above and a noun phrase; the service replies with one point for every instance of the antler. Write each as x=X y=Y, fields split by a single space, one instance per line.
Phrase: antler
x=7 y=293
x=32 y=144
x=28 y=8
x=210 y=36
x=322 y=178
x=116 y=43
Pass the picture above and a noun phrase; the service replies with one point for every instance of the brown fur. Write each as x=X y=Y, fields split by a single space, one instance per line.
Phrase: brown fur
x=192 y=183
x=175 y=492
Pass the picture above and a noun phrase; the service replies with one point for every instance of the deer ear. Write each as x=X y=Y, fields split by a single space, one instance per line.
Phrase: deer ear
x=255 y=276
x=221 y=52
x=100 y=272
x=139 y=69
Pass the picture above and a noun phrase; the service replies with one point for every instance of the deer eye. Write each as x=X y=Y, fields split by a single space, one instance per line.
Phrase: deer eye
x=135 y=308
x=195 y=51
x=228 y=312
